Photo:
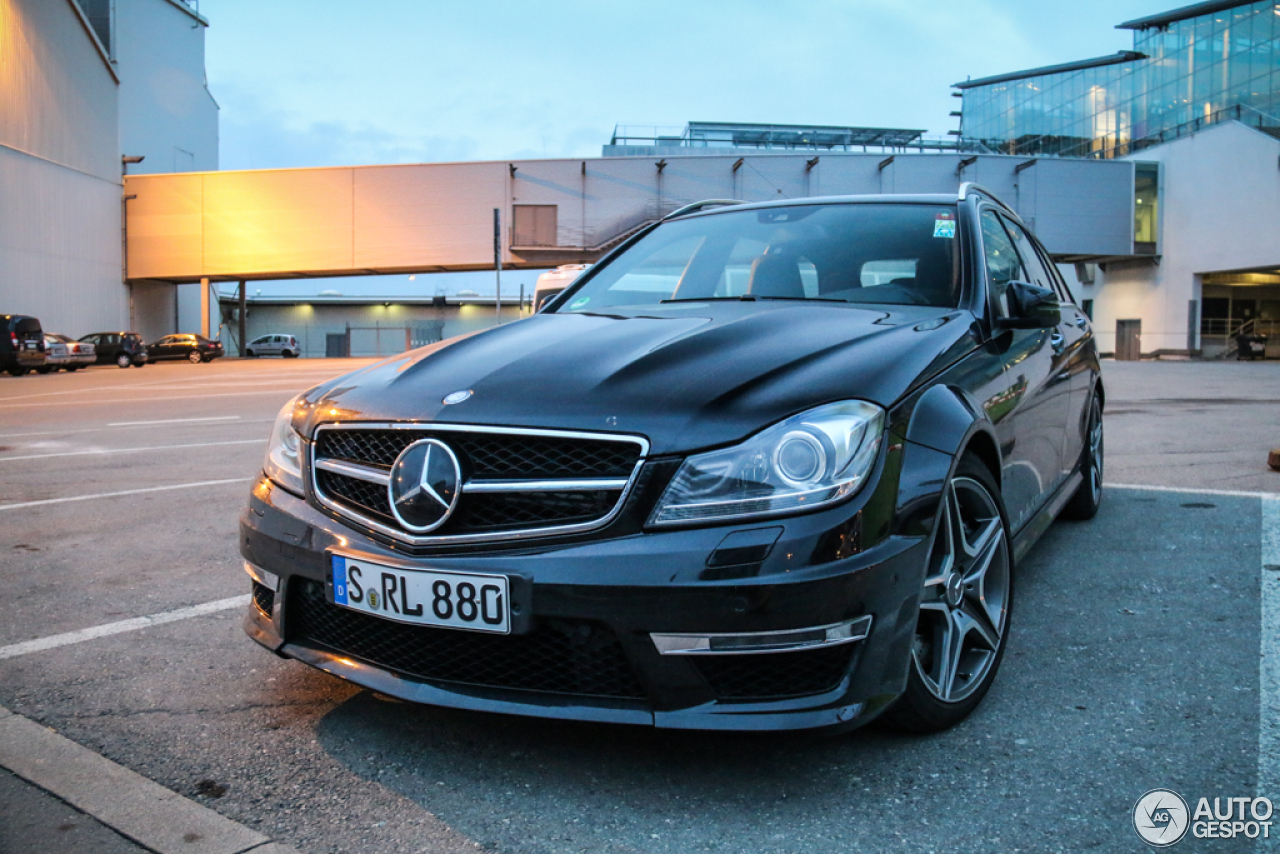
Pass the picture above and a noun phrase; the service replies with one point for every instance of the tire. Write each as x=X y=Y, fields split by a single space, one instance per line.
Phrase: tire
x=17 y=372
x=289 y=354
x=139 y=364
x=194 y=357
x=45 y=369
x=248 y=354
x=1088 y=498
x=123 y=360
x=964 y=607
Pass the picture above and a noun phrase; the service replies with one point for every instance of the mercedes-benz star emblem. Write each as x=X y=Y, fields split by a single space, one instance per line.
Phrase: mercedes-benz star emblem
x=426 y=481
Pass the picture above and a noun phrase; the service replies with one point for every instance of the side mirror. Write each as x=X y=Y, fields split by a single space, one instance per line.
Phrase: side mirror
x=1030 y=307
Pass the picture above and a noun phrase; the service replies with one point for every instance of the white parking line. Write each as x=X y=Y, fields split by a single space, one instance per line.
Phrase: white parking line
x=284 y=395
x=67 y=638
x=51 y=432
x=173 y=421
x=45 y=501
x=1269 y=666
x=1190 y=490
x=103 y=451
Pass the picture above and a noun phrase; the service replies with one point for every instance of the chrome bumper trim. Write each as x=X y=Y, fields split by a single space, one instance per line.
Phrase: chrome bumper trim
x=756 y=643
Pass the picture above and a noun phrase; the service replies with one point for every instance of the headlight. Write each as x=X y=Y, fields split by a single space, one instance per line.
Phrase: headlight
x=284 y=452
x=809 y=460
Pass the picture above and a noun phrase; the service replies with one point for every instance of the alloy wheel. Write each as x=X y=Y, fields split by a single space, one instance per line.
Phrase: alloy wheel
x=964 y=605
x=1095 y=451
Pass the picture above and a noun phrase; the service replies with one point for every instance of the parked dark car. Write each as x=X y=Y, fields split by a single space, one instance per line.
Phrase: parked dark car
x=193 y=348
x=21 y=344
x=118 y=348
x=765 y=466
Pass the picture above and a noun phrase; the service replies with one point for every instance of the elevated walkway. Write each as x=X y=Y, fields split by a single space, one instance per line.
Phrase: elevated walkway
x=438 y=217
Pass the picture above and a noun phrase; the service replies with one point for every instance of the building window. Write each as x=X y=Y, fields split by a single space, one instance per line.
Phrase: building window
x=533 y=225
x=1146 y=207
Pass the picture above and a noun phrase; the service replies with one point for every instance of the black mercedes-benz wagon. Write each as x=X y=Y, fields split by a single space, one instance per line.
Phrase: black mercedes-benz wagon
x=765 y=466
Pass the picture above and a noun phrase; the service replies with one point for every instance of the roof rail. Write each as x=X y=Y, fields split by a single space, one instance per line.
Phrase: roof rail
x=705 y=203
x=973 y=187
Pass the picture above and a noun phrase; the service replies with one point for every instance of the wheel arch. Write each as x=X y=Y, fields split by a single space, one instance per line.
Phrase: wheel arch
x=946 y=420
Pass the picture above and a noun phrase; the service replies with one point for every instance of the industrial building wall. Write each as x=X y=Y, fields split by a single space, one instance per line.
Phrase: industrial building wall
x=1219 y=211
x=60 y=209
x=166 y=112
x=372 y=330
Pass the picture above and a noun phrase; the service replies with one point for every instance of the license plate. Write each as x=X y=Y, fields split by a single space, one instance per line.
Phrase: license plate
x=424 y=597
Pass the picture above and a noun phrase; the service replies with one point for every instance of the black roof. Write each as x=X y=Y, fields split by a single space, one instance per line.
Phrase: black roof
x=1195 y=10
x=1110 y=59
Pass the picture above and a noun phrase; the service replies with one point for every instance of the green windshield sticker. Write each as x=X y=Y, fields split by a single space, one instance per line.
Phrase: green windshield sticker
x=944 y=226
x=579 y=303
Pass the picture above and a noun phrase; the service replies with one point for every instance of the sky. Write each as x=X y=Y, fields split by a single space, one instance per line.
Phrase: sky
x=335 y=82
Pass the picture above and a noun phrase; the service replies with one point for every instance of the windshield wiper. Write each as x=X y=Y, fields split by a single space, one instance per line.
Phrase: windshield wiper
x=743 y=298
x=804 y=299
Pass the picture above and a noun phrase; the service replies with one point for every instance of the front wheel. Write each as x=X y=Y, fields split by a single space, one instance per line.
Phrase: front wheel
x=123 y=360
x=248 y=354
x=194 y=357
x=1088 y=498
x=964 y=606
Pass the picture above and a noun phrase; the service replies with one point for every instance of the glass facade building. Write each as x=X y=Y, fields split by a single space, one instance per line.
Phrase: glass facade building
x=1189 y=67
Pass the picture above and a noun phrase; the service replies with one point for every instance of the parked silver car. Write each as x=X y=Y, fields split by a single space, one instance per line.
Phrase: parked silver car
x=274 y=345
x=78 y=354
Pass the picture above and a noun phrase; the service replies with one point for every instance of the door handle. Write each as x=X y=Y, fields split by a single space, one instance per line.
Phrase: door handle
x=1081 y=321
x=1057 y=342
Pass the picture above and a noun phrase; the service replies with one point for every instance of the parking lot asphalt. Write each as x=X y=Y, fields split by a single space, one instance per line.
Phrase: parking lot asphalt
x=1134 y=661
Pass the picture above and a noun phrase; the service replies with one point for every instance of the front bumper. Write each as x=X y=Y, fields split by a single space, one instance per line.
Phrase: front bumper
x=613 y=593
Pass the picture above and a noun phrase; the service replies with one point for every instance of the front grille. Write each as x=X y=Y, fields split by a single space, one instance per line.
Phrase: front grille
x=488 y=455
x=775 y=676
x=559 y=657
x=484 y=454
x=264 y=597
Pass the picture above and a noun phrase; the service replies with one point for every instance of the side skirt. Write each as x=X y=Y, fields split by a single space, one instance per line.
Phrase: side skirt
x=1039 y=523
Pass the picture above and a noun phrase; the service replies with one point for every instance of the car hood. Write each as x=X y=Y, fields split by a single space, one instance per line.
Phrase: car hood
x=684 y=376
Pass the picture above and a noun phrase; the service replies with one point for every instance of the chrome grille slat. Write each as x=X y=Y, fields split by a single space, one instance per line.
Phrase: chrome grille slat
x=520 y=482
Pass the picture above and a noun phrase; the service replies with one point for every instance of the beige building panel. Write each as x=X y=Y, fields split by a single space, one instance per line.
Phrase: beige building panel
x=427 y=215
x=166 y=228
x=285 y=221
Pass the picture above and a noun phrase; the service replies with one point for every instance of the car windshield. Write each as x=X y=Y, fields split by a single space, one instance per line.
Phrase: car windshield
x=895 y=254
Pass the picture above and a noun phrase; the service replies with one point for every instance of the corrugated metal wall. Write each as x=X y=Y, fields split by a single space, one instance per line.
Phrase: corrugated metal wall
x=374 y=330
x=60 y=239
x=438 y=216
x=166 y=113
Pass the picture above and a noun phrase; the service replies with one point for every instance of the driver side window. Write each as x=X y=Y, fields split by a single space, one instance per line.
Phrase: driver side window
x=1003 y=264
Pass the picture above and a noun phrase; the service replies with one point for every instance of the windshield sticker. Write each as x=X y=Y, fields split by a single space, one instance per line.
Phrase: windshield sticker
x=944 y=226
x=579 y=303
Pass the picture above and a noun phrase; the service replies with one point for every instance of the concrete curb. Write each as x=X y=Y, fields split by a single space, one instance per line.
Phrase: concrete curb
x=128 y=803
